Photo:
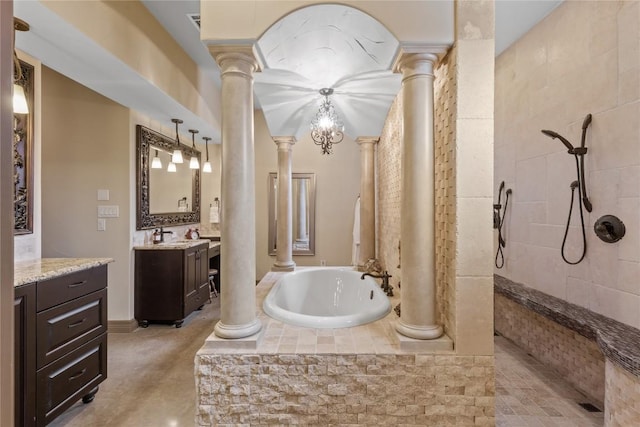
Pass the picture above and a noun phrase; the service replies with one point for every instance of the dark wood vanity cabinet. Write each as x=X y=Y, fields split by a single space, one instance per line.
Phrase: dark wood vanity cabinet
x=61 y=343
x=170 y=283
x=24 y=309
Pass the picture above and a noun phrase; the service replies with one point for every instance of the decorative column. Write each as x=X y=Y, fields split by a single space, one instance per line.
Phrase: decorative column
x=367 y=201
x=238 y=251
x=418 y=296
x=284 y=232
x=302 y=236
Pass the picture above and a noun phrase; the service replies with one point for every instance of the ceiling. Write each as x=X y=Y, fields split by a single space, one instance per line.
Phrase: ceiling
x=301 y=57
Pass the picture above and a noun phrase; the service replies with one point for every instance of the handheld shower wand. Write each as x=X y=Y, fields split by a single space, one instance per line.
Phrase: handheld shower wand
x=580 y=183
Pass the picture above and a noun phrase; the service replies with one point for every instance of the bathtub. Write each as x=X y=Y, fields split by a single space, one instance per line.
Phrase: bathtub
x=326 y=297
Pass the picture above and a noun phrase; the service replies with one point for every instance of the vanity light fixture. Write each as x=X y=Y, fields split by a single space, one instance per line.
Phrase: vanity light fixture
x=194 y=163
x=156 y=163
x=20 y=105
x=207 y=165
x=177 y=154
x=326 y=127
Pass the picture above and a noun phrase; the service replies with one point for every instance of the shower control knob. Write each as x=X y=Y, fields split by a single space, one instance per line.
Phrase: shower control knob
x=609 y=228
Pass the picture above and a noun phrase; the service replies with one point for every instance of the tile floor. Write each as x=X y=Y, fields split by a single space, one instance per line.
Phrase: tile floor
x=150 y=383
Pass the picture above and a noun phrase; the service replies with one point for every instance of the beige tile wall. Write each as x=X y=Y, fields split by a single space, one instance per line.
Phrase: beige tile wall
x=582 y=58
x=622 y=397
x=576 y=358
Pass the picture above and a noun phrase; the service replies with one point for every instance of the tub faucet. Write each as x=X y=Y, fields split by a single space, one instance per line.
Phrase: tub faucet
x=386 y=287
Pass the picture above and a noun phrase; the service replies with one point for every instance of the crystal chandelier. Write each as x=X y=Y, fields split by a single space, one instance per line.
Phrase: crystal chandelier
x=326 y=127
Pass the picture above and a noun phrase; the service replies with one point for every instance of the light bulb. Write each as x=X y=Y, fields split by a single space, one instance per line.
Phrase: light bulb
x=176 y=157
x=19 y=100
x=171 y=167
x=194 y=163
x=207 y=167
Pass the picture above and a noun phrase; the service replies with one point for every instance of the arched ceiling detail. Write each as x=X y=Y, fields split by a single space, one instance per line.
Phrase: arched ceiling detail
x=331 y=46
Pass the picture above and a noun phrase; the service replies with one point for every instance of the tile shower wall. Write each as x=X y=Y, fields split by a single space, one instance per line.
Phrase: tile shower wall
x=622 y=397
x=582 y=58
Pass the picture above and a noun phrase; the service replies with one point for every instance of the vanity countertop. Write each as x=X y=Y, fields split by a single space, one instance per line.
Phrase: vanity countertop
x=47 y=268
x=177 y=244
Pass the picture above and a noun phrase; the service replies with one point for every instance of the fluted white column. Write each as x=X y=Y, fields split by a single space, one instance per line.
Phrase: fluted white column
x=238 y=251
x=302 y=235
x=418 y=296
x=367 y=201
x=284 y=233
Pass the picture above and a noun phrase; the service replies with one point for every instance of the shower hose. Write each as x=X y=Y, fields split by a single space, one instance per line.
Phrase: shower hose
x=575 y=184
x=499 y=261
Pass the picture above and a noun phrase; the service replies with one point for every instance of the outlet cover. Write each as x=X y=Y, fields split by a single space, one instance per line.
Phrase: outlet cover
x=102 y=224
x=103 y=194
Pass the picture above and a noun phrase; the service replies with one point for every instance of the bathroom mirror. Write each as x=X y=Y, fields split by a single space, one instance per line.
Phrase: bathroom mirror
x=303 y=193
x=23 y=157
x=165 y=198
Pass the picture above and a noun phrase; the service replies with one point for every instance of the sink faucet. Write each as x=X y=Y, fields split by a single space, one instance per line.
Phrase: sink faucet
x=162 y=233
x=386 y=287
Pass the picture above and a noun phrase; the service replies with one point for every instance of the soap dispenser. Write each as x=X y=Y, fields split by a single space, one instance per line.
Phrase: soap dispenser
x=157 y=236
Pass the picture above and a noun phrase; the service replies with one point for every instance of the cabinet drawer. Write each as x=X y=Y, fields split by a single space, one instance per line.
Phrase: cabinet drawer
x=63 y=382
x=69 y=325
x=215 y=251
x=65 y=288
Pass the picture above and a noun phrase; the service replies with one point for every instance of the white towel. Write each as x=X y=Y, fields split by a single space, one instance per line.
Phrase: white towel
x=355 y=251
x=214 y=215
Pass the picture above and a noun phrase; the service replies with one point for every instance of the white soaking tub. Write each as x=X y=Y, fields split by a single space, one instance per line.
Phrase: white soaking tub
x=326 y=297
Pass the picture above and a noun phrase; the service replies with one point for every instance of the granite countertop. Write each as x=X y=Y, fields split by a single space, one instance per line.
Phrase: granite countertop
x=176 y=244
x=47 y=268
x=619 y=342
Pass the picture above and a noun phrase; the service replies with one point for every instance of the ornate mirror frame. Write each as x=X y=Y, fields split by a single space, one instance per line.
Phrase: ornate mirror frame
x=145 y=138
x=310 y=248
x=23 y=156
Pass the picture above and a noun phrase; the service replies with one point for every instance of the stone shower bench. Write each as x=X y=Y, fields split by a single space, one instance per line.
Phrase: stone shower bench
x=619 y=343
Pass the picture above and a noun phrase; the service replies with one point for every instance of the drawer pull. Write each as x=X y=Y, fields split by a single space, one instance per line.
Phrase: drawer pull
x=78 y=375
x=78 y=323
x=75 y=285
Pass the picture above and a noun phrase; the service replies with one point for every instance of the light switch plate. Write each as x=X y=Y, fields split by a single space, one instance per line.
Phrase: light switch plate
x=103 y=194
x=106 y=211
x=102 y=224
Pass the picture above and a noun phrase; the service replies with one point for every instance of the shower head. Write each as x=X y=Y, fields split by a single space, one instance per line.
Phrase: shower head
x=554 y=135
x=586 y=122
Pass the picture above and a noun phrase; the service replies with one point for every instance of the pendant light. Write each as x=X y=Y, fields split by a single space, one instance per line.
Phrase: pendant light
x=171 y=167
x=207 y=165
x=20 y=105
x=177 y=154
x=156 y=163
x=194 y=163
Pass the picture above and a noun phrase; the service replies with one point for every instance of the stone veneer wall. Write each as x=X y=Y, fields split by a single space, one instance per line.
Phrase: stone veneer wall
x=329 y=389
x=576 y=358
x=622 y=394
x=445 y=91
x=388 y=192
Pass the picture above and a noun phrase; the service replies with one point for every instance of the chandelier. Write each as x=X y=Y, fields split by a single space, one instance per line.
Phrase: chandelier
x=326 y=127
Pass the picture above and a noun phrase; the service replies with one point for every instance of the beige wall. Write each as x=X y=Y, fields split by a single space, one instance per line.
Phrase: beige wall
x=582 y=58
x=85 y=147
x=337 y=186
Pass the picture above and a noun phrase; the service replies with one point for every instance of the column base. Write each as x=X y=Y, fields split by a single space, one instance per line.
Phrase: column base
x=304 y=241
x=237 y=331
x=429 y=332
x=283 y=266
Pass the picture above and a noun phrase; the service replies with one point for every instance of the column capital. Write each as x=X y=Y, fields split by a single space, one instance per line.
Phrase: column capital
x=238 y=58
x=367 y=140
x=410 y=54
x=281 y=140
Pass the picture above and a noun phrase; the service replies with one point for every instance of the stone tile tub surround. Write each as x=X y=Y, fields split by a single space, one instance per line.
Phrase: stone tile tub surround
x=47 y=268
x=547 y=324
x=354 y=375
